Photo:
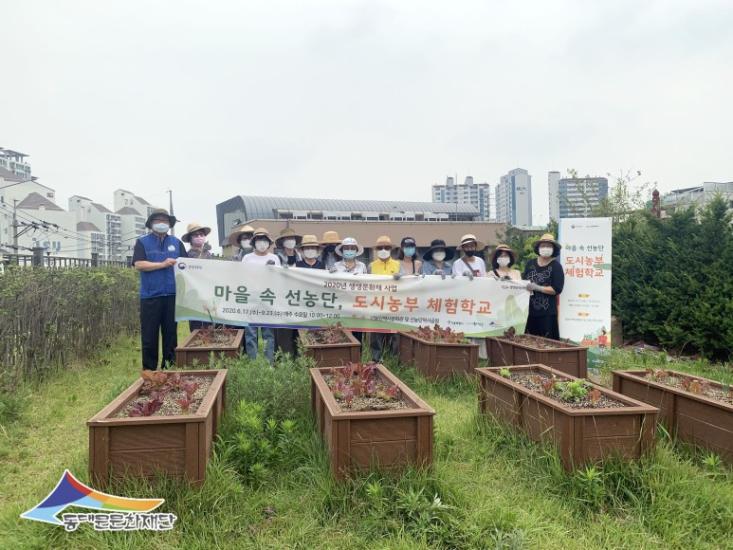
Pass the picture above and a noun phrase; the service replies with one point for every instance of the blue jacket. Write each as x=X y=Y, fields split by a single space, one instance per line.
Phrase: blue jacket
x=161 y=282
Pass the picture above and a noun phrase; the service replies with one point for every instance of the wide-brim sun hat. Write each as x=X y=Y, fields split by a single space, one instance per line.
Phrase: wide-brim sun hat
x=309 y=240
x=193 y=228
x=288 y=232
x=262 y=232
x=350 y=241
x=468 y=238
x=384 y=240
x=548 y=238
x=158 y=212
x=237 y=233
x=331 y=237
x=504 y=248
x=437 y=244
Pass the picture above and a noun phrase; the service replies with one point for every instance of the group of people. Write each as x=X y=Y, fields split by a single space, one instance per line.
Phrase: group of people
x=157 y=252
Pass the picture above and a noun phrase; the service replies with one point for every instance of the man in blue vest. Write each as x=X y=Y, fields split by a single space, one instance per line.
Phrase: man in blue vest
x=154 y=257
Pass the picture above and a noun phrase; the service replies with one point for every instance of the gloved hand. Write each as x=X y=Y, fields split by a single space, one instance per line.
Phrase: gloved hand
x=285 y=265
x=396 y=276
x=332 y=269
x=534 y=286
x=270 y=262
x=452 y=275
x=441 y=273
x=468 y=274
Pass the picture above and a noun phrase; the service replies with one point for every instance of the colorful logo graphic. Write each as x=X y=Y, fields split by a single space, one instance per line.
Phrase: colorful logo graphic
x=69 y=491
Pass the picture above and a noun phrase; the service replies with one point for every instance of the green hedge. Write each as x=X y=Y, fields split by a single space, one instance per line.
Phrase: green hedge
x=49 y=318
x=673 y=279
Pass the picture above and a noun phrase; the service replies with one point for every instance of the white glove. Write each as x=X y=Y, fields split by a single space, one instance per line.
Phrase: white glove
x=533 y=286
x=468 y=274
x=332 y=269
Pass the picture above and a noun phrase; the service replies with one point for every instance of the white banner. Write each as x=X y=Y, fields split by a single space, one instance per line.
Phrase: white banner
x=585 y=302
x=241 y=294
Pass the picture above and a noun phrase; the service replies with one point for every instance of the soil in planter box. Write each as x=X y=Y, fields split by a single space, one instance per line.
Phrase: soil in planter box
x=170 y=398
x=333 y=334
x=360 y=387
x=207 y=337
x=560 y=391
x=692 y=385
x=440 y=335
x=534 y=341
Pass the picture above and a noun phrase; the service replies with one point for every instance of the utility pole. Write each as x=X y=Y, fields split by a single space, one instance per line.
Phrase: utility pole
x=15 y=225
x=170 y=209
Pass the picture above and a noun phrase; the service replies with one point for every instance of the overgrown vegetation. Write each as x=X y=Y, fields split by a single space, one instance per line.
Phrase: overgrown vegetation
x=49 y=318
x=269 y=485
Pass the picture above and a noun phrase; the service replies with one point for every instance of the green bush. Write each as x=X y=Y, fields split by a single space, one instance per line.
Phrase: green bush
x=49 y=318
x=672 y=280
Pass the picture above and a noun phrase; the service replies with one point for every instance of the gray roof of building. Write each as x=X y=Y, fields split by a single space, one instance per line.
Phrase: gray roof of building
x=7 y=175
x=127 y=210
x=266 y=207
x=101 y=208
x=35 y=200
x=86 y=226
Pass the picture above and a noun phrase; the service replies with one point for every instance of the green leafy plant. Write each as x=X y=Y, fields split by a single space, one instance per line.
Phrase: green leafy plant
x=571 y=390
x=506 y=373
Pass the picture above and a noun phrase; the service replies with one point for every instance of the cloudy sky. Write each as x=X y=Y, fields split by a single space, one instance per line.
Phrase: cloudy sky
x=367 y=99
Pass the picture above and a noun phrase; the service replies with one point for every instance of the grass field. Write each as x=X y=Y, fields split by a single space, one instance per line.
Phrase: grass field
x=269 y=487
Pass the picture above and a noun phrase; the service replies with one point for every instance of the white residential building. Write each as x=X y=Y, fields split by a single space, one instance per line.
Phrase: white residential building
x=133 y=226
x=698 y=196
x=553 y=179
x=514 y=198
x=104 y=219
x=15 y=163
x=477 y=194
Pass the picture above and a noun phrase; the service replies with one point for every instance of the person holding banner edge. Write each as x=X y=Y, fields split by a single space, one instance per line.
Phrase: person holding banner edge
x=502 y=261
x=310 y=249
x=546 y=281
x=436 y=261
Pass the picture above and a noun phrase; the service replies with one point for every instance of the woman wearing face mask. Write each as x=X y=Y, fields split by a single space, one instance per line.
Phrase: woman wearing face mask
x=409 y=264
x=436 y=261
x=261 y=242
x=310 y=250
x=349 y=250
x=385 y=264
x=195 y=236
x=470 y=264
x=502 y=261
x=546 y=280
x=241 y=241
x=330 y=241
x=286 y=244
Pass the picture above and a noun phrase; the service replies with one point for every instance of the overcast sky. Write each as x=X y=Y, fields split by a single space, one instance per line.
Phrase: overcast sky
x=362 y=99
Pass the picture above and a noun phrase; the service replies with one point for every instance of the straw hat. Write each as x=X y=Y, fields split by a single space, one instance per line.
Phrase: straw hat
x=548 y=238
x=309 y=240
x=350 y=241
x=285 y=233
x=331 y=237
x=503 y=248
x=159 y=212
x=438 y=244
x=384 y=240
x=193 y=228
x=238 y=232
x=470 y=238
x=262 y=232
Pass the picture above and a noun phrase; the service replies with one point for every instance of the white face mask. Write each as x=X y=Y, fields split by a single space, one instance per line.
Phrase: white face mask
x=545 y=251
x=383 y=254
x=289 y=244
x=503 y=261
x=261 y=245
x=161 y=227
x=310 y=253
x=245 y=244
x=439 y=255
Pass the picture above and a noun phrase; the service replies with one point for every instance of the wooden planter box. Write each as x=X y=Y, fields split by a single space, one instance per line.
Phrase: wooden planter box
x=177 y=446
x=437 y=360
x=187 y=356
x=331 y=355
x=695 y=419
x=569 y=359
x=361 y=440
x=581 y=435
